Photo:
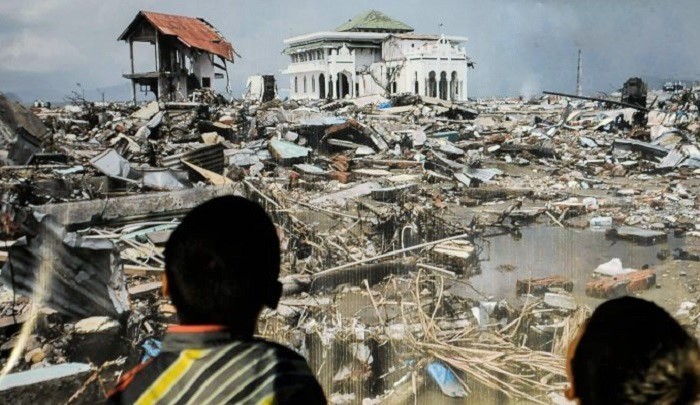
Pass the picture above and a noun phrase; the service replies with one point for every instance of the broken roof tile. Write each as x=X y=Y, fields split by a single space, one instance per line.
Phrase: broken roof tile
x=191 y=31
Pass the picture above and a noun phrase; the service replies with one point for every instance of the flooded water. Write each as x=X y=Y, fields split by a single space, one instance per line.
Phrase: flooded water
x=573 y=253
x=545 y=251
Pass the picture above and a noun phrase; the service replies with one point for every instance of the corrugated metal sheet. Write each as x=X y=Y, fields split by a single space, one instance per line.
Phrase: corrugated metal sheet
x=673 y=159
x=114 y=165
x=208 y=157
x=484 y=175
x=191 y=31
x=82 y=277
x=639 y=146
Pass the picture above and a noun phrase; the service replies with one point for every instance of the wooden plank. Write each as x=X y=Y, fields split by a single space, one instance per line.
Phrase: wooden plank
x=134 y=270
x=144 y=288
x=6 y=321
x=215 y=178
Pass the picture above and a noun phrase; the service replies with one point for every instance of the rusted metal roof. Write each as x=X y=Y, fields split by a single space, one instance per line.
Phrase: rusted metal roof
x=191 y=31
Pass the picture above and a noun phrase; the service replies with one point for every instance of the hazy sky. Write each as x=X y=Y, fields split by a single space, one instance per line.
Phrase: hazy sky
x=519 y=46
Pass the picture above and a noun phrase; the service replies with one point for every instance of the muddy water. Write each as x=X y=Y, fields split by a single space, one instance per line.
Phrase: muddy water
x=544 y=251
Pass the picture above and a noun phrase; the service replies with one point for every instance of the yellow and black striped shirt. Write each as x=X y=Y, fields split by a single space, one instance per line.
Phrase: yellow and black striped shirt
x=207 y=365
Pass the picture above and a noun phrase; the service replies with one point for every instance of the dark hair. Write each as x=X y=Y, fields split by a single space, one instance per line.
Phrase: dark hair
x=633 y=352
x=222 y=262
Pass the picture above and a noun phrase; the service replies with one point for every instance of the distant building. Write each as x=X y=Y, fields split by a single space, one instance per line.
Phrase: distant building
x=375 y=54
x=189 y=54
x=260 y=88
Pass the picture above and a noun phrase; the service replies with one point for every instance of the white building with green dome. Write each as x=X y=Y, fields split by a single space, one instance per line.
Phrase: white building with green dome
x=376 y=54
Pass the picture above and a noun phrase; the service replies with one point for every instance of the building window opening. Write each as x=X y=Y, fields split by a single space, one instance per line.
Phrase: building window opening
x=432 y=84
x=321 y=86
x=454 y=86
x=443 y=86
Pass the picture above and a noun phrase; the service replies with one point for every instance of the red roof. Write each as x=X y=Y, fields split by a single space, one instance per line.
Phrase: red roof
x=191 y=31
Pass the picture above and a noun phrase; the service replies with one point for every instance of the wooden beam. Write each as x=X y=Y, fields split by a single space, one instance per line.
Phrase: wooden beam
x=144 y=288
x=157 y=53
x=6 y=321
x=131 y=54
x=133 y=270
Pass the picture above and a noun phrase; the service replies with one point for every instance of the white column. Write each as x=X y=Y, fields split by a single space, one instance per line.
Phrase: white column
x=464 y=88
x=420 y=80
x=335 y=87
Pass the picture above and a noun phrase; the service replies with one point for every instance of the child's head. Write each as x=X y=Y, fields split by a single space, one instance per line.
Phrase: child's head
x=222 y=263
x=633 y=352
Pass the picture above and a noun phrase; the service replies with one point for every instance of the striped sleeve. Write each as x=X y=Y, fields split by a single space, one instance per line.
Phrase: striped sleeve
x=254 y=372
x=288 y=380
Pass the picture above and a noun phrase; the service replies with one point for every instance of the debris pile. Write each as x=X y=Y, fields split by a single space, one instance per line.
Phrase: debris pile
x=383 y=207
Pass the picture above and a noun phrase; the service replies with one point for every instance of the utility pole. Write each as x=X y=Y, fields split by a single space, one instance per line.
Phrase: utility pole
x=579 y=90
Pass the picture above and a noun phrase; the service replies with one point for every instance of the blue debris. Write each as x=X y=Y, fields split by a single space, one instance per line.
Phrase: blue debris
x=452 y=136
x=386 y=104
x=446 y=379
x=283 y=150
x=151 y=348
x=323 y=122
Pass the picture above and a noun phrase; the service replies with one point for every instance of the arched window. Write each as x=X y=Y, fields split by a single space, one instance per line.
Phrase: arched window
x=321 y=86
x=443 y=85
x=304 y=84
x=296 y=84
x=313 y=84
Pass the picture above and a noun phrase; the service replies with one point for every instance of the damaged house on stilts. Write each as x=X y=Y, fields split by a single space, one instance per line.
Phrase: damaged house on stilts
x=189 y=54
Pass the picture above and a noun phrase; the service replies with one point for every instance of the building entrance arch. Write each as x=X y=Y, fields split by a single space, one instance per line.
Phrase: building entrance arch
x=343 y=85
x=432 y=84
x=443 y=85
x=321 y=86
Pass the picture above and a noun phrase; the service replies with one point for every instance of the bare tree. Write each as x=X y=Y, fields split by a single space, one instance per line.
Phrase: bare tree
x=102 y=93
x=392 y=73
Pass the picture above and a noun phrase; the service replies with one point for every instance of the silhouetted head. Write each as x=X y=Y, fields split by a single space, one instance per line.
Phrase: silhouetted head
x=633 y=352
x=222 y=263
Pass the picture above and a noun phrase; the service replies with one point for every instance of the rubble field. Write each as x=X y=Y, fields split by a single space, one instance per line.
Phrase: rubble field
x=431 y=250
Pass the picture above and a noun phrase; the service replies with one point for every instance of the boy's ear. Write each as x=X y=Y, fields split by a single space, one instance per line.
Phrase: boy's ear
x=569 y=393
x=272 y=298
x=164 y=285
